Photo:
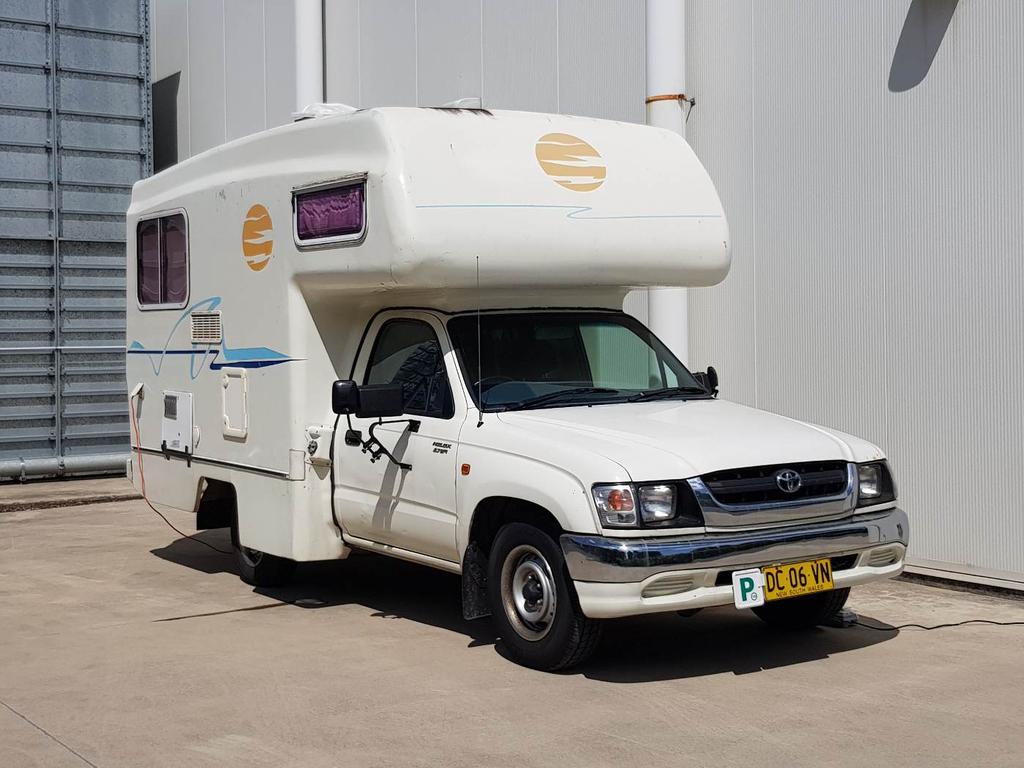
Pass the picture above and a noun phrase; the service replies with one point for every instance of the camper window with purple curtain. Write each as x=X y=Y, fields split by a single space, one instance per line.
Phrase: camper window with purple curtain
x=326 y=214
x=161 y=258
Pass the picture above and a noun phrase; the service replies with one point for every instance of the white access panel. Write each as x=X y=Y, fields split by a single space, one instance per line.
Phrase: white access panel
x=235 y=403
x=176 y=423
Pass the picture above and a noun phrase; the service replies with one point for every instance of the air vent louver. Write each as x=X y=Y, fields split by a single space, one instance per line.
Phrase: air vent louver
x=206 y=327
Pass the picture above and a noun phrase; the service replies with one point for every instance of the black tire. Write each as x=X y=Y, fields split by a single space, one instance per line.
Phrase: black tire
x=803 y=612
x=548 y=631
x=259 y=568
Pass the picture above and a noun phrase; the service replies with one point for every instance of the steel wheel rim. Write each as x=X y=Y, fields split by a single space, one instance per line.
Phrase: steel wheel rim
x=528 y=592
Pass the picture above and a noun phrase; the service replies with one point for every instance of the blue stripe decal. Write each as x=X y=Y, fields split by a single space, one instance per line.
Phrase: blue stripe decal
x=219 y=357
x=578 y=211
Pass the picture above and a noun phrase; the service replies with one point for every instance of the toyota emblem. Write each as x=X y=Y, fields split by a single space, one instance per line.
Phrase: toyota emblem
x=788 y=480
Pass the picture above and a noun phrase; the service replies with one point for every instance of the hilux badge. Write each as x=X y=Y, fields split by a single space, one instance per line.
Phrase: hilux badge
x=788 y=480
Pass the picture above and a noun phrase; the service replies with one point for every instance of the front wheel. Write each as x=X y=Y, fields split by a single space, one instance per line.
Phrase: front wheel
x=803 y=612
x=534 y=607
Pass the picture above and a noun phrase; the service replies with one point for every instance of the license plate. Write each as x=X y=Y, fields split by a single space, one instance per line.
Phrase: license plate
x=794 y=579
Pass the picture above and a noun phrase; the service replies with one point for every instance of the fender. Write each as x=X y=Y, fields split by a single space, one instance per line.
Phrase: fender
x=497 y=473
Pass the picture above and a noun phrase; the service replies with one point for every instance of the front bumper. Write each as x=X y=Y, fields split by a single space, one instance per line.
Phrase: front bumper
x=622 y=577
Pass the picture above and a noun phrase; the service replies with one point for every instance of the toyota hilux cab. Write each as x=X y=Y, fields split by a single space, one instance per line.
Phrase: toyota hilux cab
x=401 y=331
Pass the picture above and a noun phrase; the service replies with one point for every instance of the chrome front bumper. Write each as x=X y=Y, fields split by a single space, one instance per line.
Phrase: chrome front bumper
x=620 y=560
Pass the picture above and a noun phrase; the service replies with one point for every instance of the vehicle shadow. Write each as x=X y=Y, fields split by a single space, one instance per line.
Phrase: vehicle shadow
x=666 y=646
x=634 y=650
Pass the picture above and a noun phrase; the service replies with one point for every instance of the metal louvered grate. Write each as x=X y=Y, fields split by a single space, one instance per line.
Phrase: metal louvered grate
x=206 y=327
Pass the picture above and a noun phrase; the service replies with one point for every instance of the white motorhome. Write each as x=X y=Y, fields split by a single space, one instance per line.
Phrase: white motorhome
x=401 y=331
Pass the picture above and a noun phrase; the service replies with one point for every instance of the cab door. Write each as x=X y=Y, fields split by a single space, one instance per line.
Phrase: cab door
x=412 y=509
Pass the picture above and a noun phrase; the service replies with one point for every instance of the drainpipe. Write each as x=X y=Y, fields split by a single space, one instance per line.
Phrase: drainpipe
x=309 y=53
x=666 y=78
x=23 y=469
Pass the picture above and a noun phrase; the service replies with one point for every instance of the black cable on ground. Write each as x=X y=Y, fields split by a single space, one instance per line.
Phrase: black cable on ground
x=142 y=484
x=942 y=626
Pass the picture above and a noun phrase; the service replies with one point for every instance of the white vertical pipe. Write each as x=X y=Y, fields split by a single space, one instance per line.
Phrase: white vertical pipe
x=666 y=75
x=309 y=53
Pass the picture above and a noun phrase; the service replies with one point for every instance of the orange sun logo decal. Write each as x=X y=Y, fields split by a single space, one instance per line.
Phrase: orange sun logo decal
x=570 y=162
x=257 y=237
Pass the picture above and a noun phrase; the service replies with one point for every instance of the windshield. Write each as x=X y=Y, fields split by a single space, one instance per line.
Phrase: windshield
x=549 y=359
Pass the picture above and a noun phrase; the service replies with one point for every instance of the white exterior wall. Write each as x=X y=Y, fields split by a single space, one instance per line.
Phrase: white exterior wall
x=876 y=241
x=237 y=58
x=237 y=64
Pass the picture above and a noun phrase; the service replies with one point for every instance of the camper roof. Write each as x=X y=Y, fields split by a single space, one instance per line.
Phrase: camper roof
x=538 y=199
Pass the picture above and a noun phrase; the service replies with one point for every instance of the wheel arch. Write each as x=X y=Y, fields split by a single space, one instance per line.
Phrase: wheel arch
x=489 y=516
x=218 y=504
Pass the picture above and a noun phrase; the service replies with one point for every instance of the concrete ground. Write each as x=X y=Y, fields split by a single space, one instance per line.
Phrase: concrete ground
x=123 y=645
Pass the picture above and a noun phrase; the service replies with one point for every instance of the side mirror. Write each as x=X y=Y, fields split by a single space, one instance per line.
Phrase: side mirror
x=345 y=397
x=713 y=379
x=368 y=401
x=380 y=400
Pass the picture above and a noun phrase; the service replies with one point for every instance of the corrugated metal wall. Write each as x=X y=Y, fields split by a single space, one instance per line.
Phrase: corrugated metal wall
x=74 y=136
x=877 y=235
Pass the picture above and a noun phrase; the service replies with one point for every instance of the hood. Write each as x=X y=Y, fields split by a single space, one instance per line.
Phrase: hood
x=682 y=438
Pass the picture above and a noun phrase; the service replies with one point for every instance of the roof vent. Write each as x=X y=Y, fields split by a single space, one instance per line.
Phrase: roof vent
x=468 y=102
x=322 y=110
x=206 y=327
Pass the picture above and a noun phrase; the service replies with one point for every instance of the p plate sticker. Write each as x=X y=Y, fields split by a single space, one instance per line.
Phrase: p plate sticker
x=748 y=588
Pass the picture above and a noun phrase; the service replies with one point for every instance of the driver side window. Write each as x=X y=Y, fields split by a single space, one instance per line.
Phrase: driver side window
x=407 y=352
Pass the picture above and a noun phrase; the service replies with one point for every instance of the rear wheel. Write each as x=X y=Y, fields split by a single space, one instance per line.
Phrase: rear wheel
x=259 y=568
x=803 y=612
x=533 y=603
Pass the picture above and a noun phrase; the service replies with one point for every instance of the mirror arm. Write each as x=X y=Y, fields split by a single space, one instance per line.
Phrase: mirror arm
x=376 y=448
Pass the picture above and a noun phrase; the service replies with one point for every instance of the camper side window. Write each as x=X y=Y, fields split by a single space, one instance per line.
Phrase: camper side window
x=161 y=249
x=407 y=352
x=327 y=215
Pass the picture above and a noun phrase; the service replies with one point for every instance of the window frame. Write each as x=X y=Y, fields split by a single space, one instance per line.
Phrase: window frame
x=449 y=412
x=188 y=259
x=333 y=240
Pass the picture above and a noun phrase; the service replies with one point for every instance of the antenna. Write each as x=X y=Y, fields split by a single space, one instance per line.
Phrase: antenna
x=479 y=357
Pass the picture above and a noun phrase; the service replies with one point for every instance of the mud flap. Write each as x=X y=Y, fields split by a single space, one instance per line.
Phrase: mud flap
x=475 y=604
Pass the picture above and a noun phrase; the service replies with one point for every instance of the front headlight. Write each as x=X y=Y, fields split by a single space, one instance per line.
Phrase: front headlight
x=657 y=503
x=874 y=484
x=868 y=477
x=652 y=505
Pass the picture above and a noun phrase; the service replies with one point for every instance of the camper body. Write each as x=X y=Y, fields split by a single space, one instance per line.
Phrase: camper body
x=401 y=331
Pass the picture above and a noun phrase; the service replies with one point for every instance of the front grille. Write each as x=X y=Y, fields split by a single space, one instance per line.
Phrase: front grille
x=757 y=485
x=841 y=563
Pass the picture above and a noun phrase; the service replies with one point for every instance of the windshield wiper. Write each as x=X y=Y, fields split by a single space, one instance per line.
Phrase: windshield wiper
x=667 y=392
x=553 y=396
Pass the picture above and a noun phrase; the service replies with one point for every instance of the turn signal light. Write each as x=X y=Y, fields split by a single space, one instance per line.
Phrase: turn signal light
x=620 y=500
x=615 y=505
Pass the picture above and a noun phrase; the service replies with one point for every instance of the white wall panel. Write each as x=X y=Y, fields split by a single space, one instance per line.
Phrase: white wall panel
x=169 y=54
x=520 y=55
x=206 y=65
x=387 y=53
x=883 y=230
x=719 y=73
x=818 y=215
x=341 y=30
x=601 y=58
x=245 y=92
x=279 y=62
x=449 y=54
